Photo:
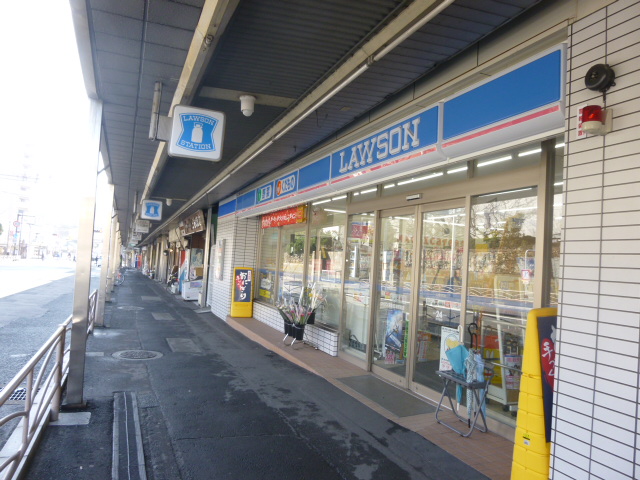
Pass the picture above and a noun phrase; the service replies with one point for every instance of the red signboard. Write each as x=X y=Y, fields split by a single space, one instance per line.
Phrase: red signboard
x=288 y=216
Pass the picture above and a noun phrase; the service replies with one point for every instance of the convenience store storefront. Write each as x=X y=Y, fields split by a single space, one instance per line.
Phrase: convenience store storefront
x=443 y=222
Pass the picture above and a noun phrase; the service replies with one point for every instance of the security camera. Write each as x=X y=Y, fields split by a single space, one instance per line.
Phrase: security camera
x=247 y=103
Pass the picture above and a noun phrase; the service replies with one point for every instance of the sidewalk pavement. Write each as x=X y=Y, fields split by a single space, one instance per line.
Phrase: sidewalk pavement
x=176 y=393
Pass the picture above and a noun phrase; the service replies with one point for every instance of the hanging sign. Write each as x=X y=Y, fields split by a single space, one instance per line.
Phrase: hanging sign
x=242 y=301
x=196 y=133
x=193 y=223
x=141 y=226
x=288 y=216
x=151 y=210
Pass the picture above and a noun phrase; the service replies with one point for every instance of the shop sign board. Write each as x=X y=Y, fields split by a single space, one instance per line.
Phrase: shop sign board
x=289 y=216
x=287 y=185
x=399 y=139
x=141 y=226
x=151 y=210
x=264 y=193
x=485 y=115
x=136 y=237
x=193 y=223
x=242 y=301
x=196 y=133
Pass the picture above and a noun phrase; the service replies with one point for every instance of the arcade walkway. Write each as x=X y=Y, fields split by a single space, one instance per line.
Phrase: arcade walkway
x=176 y=393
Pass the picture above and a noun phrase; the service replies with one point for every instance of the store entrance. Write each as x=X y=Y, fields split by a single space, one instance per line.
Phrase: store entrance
x=419 y=280
x=440 y=293
x=393 y=305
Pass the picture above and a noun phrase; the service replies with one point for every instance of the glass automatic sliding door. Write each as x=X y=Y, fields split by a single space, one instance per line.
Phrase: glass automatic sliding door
x=441 y=262
x=394 y=287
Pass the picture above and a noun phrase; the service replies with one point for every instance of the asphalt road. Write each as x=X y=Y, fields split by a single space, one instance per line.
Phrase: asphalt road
x=35 y=297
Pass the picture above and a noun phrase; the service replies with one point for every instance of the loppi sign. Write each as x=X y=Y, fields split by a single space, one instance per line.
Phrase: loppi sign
x=288 y=216
x=196 y=133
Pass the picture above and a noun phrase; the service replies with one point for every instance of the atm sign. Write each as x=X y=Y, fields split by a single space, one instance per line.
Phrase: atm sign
x=286 y=185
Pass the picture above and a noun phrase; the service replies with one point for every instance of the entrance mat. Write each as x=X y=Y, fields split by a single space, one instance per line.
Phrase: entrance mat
x=397 y=401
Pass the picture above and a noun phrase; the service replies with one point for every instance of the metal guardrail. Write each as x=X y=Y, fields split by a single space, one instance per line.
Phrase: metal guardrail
x=44 y=378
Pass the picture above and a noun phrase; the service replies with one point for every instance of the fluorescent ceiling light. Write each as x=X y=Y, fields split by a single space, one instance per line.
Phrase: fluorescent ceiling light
x=321 y=201
x=559 y=145
x=529 y=152
x=339 y=198
x=456 y=170
x=419 y=179
x=368 y=191
x=495 y=160
x=334 y=211
x=557 y=184
x=391 y=185
x=508 y=191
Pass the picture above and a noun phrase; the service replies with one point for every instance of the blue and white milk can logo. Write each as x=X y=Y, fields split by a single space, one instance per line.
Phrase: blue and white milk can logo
x=197 y=132
x=151 y=210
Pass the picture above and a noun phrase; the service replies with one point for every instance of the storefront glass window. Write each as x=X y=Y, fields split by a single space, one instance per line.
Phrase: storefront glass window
x=357 y=285
x=500 y=285
x=292 y=267
x=558 y=187
x=326 y=257
x=268 y=265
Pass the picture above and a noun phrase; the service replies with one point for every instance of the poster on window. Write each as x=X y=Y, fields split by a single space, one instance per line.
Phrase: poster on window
x=449 y=338
x=547 y=337
x=219 y=259
x=394 y=338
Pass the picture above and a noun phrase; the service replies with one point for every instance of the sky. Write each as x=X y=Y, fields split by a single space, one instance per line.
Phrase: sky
x=45 y=107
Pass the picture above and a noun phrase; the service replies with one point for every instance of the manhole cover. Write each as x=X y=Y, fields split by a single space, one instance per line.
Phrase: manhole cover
x=137 y=354
x=18 y=396
x=130 y=308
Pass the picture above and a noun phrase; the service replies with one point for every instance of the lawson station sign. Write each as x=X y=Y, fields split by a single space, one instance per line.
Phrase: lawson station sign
x=196 y=133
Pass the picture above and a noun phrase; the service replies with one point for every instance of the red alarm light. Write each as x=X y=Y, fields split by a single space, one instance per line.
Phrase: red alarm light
x=592 y=113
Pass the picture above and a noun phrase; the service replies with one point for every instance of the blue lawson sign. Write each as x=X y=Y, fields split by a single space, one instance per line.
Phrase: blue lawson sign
x=399 y=139
x=196 y=133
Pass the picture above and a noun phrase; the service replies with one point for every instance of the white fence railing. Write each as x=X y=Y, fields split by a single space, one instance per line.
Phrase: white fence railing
x=41 y=383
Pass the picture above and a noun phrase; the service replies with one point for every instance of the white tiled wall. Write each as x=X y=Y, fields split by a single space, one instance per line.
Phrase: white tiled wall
x=597 y=403
x=241 y=237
